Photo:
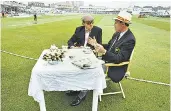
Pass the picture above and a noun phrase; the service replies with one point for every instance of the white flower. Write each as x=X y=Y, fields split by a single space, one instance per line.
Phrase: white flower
x=53 y=47
x=54 y=54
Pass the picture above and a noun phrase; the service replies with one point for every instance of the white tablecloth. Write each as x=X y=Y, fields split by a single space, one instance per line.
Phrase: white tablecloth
x=65 y=76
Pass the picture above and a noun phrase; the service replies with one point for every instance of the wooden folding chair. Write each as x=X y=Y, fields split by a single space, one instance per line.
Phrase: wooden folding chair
x=126 y=75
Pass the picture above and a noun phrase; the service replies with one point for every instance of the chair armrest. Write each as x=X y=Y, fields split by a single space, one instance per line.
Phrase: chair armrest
x=120 y=64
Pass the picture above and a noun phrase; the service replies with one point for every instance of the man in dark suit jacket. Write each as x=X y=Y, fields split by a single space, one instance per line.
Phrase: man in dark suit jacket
x=119 y=48
x=79 y=39
x=82 y=33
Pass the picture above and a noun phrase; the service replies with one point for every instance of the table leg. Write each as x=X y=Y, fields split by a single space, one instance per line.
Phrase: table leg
x=42 y=103
x=95 y=100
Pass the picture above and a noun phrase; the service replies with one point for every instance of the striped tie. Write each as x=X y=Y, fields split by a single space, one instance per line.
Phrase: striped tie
x=114 y=41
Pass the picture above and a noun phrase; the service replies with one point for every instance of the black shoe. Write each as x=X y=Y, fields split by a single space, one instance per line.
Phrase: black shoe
x=77 y=101
x=72 y=93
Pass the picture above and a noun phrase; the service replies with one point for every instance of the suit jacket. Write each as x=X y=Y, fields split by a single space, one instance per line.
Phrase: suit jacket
x=78 y=38
x=119 y=52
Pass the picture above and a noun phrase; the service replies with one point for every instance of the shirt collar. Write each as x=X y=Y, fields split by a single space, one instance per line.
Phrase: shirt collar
x=122 y=33
x=86 y=30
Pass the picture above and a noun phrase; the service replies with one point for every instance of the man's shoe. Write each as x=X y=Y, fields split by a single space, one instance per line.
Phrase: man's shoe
x=72 y=93
x=77 y=101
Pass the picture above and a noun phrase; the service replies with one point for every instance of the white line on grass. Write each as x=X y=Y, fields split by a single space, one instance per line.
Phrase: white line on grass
x=131 y=78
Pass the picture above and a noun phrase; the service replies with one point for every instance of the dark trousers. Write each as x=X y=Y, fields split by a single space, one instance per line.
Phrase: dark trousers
x=83 y=93
x=35 y=18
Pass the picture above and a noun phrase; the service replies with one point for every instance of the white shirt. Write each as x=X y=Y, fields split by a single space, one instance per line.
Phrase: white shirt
x=121 y=34
x=86 y=38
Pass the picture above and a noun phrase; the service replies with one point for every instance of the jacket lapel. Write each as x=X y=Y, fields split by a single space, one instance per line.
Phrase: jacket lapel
x=82 y=35
x=122 y=38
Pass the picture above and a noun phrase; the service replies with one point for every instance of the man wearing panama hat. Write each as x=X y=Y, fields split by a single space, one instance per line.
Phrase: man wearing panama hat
x=119 y=48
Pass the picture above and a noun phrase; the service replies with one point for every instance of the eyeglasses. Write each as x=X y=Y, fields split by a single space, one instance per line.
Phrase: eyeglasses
x=88 y=22
x=117 y=21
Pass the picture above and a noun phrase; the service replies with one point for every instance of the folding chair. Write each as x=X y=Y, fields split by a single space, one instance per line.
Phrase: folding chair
x=126 y=75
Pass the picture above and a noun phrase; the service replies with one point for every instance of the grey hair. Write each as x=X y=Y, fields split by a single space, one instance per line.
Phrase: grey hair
x=87 y=18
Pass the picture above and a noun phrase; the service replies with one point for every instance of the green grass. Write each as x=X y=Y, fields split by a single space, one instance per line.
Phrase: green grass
x=23 y=22
x=154 y=22
x=150 y=61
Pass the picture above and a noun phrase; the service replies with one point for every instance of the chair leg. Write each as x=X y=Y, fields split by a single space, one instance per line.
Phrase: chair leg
x=122 y=90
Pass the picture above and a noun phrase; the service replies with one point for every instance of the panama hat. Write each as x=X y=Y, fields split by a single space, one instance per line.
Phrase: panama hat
x=124 y=17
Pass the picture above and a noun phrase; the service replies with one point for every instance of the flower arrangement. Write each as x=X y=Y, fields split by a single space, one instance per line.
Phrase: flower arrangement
x=53 y=54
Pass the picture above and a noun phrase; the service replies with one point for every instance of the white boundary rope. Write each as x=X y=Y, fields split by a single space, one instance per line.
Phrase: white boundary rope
x=18 y=55
x=131 y=78
x=148 y=81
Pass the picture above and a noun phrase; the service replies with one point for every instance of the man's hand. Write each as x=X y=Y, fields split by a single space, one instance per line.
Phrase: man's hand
x=92 y=41
x=100 y=49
